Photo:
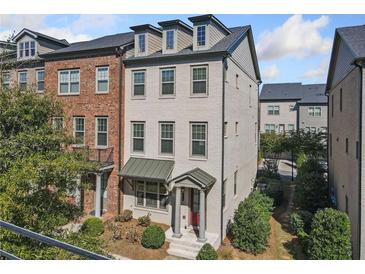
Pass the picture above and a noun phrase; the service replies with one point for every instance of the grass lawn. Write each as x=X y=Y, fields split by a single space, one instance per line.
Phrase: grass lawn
x=282 y=245
x=129 y=248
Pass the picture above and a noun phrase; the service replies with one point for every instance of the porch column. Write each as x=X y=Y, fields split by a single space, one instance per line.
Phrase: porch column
x=177 y=233
x=202 y=216
x=98 y=195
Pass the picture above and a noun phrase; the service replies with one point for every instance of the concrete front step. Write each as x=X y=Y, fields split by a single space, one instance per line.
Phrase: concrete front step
x=186 y=247
x=182 y=253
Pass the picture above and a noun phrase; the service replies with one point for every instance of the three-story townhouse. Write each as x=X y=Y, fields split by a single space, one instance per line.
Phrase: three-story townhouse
x=191 y=132
x=87 y=78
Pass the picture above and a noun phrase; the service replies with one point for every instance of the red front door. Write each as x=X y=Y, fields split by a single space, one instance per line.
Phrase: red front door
x=194 y=208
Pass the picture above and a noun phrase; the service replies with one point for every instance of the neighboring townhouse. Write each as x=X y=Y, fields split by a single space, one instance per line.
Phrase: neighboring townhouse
x=345 y=85
x=290 y=106
x=191 y=132
x=26 y=69
x=87 y=78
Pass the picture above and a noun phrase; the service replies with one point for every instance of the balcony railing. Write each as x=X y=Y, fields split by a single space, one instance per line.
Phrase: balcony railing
x=97 y=154
x=47 y=240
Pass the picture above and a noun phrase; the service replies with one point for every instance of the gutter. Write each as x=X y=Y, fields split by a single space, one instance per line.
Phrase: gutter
x=359 y=65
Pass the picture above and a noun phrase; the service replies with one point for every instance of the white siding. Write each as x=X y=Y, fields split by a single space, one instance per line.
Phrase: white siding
x=286 y=116
x=242 y=54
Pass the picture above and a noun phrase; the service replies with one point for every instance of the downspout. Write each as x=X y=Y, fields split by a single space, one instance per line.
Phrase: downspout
x=222 y=135
x=120 y=54
x=359 y=65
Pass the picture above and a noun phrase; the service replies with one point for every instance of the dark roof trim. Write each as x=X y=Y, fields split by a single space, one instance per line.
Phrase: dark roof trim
x=209 y=17
x=146 y=27
x=280 y=100
x=35 y=34
x=176 y=22
x=312 y=103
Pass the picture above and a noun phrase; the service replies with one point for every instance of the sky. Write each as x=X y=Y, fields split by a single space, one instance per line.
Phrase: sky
x=290 y=48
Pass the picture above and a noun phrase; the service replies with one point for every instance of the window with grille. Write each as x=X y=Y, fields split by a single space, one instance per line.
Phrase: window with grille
x=101 y=131
x=102 y=79
x=200 y=80
x=167 y=138
x=199 y=139
x=69 y=81
x=79 y=130
x=138 y=136
x=139 y=83
x=168 y=81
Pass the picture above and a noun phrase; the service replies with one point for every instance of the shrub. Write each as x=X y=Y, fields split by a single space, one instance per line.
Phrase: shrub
x=153 y=237
x=251 y=227
x=301 y=158
x=330 y=237
x=144 y=220
x=301 y=221
x=126 y=216
x=132 y=235
x=311 y=191
x=93 y=226
x=207 y=252
x=274 y=190
x=270 y=169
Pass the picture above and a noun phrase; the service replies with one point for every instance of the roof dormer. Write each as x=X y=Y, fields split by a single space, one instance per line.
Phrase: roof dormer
x=147 y=39
x=207 y=31
x=176 y=35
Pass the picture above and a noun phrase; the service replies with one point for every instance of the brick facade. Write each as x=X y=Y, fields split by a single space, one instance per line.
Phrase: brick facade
x=90 y=105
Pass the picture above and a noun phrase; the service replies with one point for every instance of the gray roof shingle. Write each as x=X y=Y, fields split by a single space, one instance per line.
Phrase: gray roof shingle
x=355 y=38
x=108 y=41
x=204 y=179
x=313 y=93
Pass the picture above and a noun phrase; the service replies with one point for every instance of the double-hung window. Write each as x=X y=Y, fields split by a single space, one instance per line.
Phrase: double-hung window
x=273 y=110
x=290 y=127
x=200 y=37
x=138 y=137
x=40 y=80
x=139 y=83
x=5 y=80
x=57 y=123
x=102 y=79
x=199 y=138
x=141 y=43
x=23 y=79
x=167 y=138
x=69 y=81
x=101 y=131
x=170 y=39
x=168 y=81
x=151 y=195
x=200 y=80
x=270 y=128
x=315 y=111
x=79 y=130
x=27 y=49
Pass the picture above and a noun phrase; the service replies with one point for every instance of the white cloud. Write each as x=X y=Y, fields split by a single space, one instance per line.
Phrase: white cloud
x=271 y=73
x=319 y=72
x=296 y=37
x=74 y=32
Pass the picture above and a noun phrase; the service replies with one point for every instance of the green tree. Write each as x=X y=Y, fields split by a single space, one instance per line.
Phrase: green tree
x=37 y=171
x=330 y=237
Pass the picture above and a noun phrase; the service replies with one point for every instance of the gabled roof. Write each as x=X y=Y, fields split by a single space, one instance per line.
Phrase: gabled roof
x=224 y=46
x=304 y=94
x=147 y=169
x=146 y=27
x=36 y=34
x=109 y=41
x=176 y=22
x=199 y=176
x=354 y=38
x=209 y=17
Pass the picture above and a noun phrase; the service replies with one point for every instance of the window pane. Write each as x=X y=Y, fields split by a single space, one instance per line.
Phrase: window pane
x=138 y=145
x=64 y=76
x=167 y=131
x=103 y=73
x=140 y=198
x=199 y=73
x=167 y=75
x=140 y=186
x=138 y=130
x=142 y=43
x=63 y=87
x=151 y=187
x=199 y=87
x=201 y=35
x=102 y=85
x=74 y=76
x=79 y=136
x=167 y=146
x=74 y=88
x=167 y=88
x=198 y=148
x=151 y=200
x=139 y=77
x=169 y=39
x=138 y=90
x=164 y=200
x=198 y=132
x=102 y=139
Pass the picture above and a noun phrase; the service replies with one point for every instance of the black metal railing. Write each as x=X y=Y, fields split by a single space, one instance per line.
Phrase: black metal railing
x=47 y=240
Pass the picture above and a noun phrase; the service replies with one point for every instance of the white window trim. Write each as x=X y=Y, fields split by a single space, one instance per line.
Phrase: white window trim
x=273 y=110
x=26 y=81
x=36 y=76
x=166 y=95
x=74 y=130
x=3 y=82
x=144 y=199
x=160 y=139
x=173 y=40
x=144 y=138
x=205 y=157
x=97 y=80
x=145 y=90
x=27 y=57
x=145 y=43
x=69 y=82
x=206 y=36
x=96 y=132
x=269 y=126
x=192 y=94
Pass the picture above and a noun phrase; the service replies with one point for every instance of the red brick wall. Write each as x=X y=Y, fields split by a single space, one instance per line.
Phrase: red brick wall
x=89 y=104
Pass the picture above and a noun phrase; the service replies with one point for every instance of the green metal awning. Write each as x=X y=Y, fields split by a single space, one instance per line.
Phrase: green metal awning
x=198 y=176
x=147 y=169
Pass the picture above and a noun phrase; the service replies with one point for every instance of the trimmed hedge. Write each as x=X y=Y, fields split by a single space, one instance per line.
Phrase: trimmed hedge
x=251 y=227
x=301 y=221
x=207 y=252
x=93 y=226
x=330 y=238
x=273 y=189
x=153 y=237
